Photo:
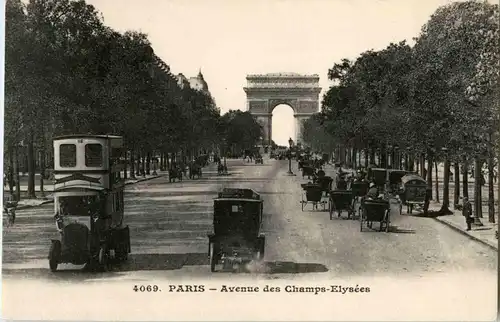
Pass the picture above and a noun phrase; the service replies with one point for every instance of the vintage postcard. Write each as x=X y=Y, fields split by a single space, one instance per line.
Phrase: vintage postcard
x=278 y=160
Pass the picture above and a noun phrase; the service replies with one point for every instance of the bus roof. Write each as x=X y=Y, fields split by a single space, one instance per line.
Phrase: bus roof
x=87 y=136
x=239 y=193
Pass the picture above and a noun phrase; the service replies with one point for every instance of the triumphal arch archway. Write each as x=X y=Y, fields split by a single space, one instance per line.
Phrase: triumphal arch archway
x=265 y=92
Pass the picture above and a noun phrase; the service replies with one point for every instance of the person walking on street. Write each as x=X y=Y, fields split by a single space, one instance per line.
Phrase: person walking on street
x=341 y=183
x=467 y=213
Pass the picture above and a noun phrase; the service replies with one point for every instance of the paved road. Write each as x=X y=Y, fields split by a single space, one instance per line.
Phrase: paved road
x=169 y=223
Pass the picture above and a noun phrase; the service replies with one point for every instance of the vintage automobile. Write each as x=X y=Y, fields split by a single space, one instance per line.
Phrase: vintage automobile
x=414 y=191
x=237 y=224
x=89 y=202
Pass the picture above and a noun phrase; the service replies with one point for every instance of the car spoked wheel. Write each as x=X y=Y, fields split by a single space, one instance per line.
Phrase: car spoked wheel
x=103 y=258
x=213 y=257
x=54 y=255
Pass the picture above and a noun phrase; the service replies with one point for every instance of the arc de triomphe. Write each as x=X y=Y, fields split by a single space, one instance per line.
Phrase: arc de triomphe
x=265 y=92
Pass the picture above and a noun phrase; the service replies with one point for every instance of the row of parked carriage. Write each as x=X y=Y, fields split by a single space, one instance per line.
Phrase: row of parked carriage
x=178 y=171
x=409 y=188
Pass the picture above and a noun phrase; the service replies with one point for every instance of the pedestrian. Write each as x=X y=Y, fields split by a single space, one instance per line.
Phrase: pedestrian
x=341 y=183
x=373 y=191
x=467 y=213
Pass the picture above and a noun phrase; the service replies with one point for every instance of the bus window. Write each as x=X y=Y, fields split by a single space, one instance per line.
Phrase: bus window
x=67 y=155
x=93 y=155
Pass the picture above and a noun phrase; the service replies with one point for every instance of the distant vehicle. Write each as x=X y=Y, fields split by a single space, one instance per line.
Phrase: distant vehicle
x=89 y=202
x=237 y=224
x=414 y=191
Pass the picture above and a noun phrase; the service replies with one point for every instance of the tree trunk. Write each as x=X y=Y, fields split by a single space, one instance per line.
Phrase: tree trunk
x=138 y=164
x=465 y=179
x=445 y=207
x=132 y=165
x=456 y=176
x=42 y=169
x=18 y=178
x=436 y=184
x=423 y=172
x=148 y=163
x=10 y=173
x=429 y=174
x=477 y=188
x=31 y=168
x=491 y=193
x=498 y=183
x=143 y=164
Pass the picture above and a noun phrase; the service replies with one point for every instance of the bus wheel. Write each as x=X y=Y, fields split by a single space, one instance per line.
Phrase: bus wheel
x=103 y=258
x=54 y=255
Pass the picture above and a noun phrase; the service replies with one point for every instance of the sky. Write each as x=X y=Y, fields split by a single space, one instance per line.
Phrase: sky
x=229 y=39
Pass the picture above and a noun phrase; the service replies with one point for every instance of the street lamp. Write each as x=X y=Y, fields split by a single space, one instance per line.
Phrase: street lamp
x=290 y=143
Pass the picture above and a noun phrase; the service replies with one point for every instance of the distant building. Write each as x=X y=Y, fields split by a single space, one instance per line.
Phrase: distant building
x=198 y=83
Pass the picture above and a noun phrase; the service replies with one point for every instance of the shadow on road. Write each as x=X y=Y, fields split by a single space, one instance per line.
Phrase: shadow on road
x=135 y=262
x=270 y=268
x=157 y=262
x=392 y=229
x=395 y=229
x=294 y=268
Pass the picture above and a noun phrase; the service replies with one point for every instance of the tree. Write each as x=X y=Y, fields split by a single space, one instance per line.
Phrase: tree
x=68 y=73
x=241 y=130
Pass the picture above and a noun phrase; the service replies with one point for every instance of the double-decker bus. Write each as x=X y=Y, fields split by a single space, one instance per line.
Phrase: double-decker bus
x=89 y=192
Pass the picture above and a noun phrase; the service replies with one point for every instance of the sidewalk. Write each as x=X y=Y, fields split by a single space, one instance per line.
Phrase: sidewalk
x=484 y=234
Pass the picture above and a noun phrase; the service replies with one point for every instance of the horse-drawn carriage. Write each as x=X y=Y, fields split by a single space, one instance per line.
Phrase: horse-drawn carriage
x=339 y=201
x=375 y=210
x=9 y=209
x=379 y=177
x=175 y=173
x=313 y=193
x=325 y=182
x=89 y=202
x=202 y=160
x=221 y=169
x=237 y=224
x=414 y=191
x=308 y=171
x=195 y=170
